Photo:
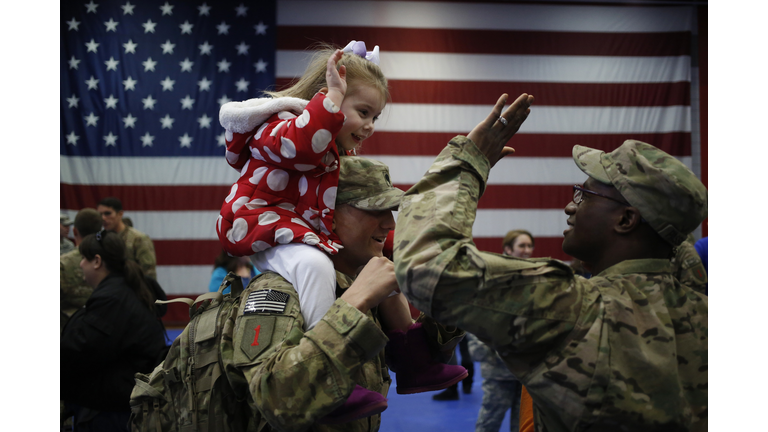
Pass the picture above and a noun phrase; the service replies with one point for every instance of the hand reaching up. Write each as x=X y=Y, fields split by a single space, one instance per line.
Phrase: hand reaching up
x=336 y=79
x=491 y=134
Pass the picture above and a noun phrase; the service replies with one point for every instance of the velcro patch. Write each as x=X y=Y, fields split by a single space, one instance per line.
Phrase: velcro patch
x=265 y=301
x=256 y=335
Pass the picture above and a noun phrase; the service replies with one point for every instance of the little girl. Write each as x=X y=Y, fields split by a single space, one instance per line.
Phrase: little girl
x=280 y=211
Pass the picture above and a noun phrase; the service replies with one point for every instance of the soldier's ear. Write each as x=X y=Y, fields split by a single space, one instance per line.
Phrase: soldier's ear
x=629 y=221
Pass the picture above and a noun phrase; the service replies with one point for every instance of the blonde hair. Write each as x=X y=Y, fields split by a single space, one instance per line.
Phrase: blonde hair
x=360 y=72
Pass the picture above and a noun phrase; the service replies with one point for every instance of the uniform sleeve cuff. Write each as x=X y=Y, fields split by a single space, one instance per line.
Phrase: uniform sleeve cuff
x=348 y=321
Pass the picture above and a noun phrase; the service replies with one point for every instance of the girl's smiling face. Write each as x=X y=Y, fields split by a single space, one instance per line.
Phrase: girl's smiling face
x=362 y=106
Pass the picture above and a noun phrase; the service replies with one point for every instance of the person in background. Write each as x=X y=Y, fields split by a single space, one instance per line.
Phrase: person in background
x=138 y=246
x=224 y=264
x=518 y=243
x=114 y=336
x=688 y=267
x=65 y=244
x=73 y=289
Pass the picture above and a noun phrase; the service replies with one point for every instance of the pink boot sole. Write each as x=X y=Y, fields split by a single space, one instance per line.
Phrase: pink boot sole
x=433 y=387
x=361 y=403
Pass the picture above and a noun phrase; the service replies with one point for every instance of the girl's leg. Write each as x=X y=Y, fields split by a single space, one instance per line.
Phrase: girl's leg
x=395 y=313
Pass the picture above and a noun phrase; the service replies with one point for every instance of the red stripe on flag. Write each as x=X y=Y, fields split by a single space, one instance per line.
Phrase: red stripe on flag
x=204 y=252
x=514 y=42
x=547 y=94
x=529 y=145
x=141 y=198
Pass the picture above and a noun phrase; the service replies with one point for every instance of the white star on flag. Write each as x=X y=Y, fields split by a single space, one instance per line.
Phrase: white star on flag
x=73 y=62
x=187 y=102
x=92 y=83
x=186 y=140
x=73 y=100
x=167 y=9
x=205 y=48
x=167 y=122
x=92 y=45
x=111 y=25
x=146 y=140
x=130 y=84
x=130 y=46
x=111 y=102
x=241 y=10
x=110 y=140
x=111 y=63
x=261 y=28
x=149 y=64
x=130 y=121
x=186 y=65
x=205 y=121
x=223 y=28
x=223 y=65
x=242 y=85
x=72 y=138
x=128 y=8
x=242 y=48
x=221 y=140
x=204 y=9
x=204 y=84
x=149 y=26
x=261 y=66
x=73 y=24
x=186 y=27
x=167 y=47
x=149 y=102
x=224 y=99
x=91 y=7
x=91 y=120
x=167 y=84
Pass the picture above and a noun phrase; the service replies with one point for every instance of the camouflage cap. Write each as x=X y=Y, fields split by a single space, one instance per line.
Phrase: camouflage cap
x=364 y=184
x=65 y=220
x=669 y=196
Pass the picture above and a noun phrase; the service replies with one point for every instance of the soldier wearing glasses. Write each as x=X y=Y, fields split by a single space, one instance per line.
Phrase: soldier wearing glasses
x=625 y=350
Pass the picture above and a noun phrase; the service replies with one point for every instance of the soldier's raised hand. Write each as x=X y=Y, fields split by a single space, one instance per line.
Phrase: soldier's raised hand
x=492 y=134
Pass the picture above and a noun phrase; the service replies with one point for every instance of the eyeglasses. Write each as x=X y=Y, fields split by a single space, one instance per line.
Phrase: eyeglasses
x=578 y=195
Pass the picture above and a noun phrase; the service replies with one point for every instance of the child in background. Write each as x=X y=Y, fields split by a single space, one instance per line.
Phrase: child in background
x=280 y=211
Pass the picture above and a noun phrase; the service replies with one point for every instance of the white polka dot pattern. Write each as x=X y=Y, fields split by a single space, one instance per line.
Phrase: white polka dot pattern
x=285 y=115
x=303 y=167
x=261 y=130
x=238 y=231
x=239 y=203
x=277 y=128
x=228 y=135
x=258 y=173
x=329 y=159
x=329 y=197
x=271 y=155
x=256 y=203
x=287 y=206
x=268 y=218
x=232 y=157
x=256 y=154
x=277 y=180
x=287 y=148
x=232 y=193
x=218 y=223
x=311 y=238
x=320 y=140
x=300 y=221
x=303 y=120
x=245 y=168
x=330 y=106
x=303 y=185
x=259 y=246
x=283 y=235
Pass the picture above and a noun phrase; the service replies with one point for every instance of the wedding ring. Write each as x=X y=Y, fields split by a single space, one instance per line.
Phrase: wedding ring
x=503 y=121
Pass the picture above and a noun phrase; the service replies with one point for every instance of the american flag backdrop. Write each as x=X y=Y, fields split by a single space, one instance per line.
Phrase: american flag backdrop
x=600 y=74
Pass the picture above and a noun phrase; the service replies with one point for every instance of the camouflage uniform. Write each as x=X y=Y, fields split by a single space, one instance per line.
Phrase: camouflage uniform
x=501 y=390
x=292 y=377
x=688 y=268
x=74 y=291
x=624 y=350
x=66 y=246
x=139 y=247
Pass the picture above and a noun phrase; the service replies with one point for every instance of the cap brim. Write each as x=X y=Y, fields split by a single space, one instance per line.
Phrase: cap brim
x=589 y=161
x=388 y=200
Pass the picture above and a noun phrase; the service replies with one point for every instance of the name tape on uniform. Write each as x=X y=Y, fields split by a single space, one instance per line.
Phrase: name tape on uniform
x=265 y=301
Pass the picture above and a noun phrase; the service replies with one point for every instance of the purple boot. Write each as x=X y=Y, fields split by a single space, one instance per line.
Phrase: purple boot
x=360 y=404
x=409 y=357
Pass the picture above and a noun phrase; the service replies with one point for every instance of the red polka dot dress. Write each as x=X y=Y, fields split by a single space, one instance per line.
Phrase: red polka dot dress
x=286 y=154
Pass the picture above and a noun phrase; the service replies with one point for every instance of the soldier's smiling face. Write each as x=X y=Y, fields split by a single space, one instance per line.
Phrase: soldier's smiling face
x=362 y=232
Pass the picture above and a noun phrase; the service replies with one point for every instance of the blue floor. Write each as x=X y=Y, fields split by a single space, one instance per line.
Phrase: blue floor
x=418 y=412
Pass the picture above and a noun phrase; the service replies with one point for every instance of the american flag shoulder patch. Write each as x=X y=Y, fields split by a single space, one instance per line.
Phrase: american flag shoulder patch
x=265 y=301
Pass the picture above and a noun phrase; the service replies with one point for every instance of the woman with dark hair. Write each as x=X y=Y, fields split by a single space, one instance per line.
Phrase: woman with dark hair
x=114 y=336
x=224 y=264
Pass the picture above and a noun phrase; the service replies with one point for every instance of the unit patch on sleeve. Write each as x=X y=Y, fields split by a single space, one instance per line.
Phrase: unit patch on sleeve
x=265 y=301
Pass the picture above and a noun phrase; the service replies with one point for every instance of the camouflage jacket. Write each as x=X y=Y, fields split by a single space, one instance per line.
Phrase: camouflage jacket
x=292 y=377
x=491 y=365
x=65 y=246
x=625 y=350
x=139 y=247
x=688 y=268
x=74 y=291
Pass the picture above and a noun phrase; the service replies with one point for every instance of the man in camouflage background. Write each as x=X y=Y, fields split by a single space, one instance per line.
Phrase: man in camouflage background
x=65 y=244
x=293 y=378
x=138 y=246
x=623 y=351
x=74 y=291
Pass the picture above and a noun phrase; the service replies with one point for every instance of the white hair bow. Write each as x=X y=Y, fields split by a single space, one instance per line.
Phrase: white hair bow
x=358 y=48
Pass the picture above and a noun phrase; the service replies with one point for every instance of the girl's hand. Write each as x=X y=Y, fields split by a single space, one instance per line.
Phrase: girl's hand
x=336 y=79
